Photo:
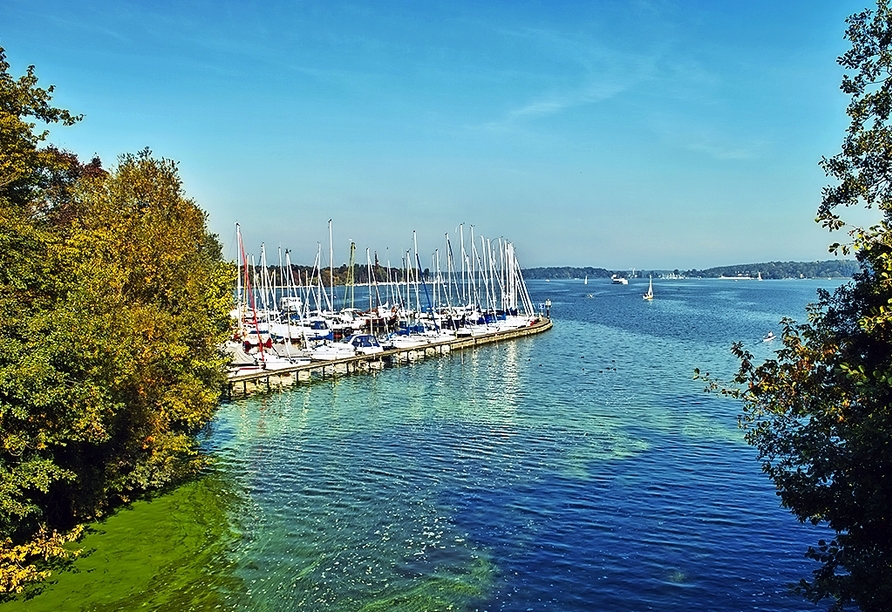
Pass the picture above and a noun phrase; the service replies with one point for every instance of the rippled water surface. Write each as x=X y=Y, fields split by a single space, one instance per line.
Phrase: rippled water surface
x=581 y=469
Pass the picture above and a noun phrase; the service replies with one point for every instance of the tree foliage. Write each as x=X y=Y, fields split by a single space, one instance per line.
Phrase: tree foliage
x=565 y=272
x=831 y=268
x=835 y=268
x=819 y=413
x=113 y=300
x=23 y=164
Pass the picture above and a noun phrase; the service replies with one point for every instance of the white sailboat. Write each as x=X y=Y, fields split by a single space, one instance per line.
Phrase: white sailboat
x=650 y=290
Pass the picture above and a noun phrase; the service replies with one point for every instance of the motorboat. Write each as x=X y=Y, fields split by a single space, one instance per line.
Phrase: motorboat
x=332 y=350
x=365 y=344
x=409 y=341
x=357 y=344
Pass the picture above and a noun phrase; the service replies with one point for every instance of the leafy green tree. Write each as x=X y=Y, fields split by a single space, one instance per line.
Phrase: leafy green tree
x=819 y=414
x=113 y=300
x=25 y=474
x=22 y=161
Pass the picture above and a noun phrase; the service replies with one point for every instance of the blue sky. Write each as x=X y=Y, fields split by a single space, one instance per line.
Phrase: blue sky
x=645 y=134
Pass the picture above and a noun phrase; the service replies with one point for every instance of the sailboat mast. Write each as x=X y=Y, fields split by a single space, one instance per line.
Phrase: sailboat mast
x=368 y=267
x=390 y=299
x=462 y=240
x=408 y=286
x=331 y=267
x=350 y=283
x=417 y=271
x=253 y=305
x=238 y=282
x=471 y=276
x=437 y=285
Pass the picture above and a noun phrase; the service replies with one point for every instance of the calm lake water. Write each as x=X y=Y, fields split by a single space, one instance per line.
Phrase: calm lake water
x=582 y=469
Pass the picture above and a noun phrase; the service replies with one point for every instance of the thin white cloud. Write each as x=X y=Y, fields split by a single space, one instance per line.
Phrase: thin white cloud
x=556 y=104
x=599 y=71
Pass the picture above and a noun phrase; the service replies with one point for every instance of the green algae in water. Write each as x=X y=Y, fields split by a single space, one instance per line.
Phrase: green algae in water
x=441 y=591
x=167 y=553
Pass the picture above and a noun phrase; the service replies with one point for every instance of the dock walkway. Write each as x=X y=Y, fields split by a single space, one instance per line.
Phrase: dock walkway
x=268 y=380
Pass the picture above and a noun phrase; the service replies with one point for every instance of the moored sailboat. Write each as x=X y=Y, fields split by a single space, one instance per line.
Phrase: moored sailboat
x=282 y=321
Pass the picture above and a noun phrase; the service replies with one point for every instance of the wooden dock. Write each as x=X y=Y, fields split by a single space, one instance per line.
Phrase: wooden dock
x=269 y=380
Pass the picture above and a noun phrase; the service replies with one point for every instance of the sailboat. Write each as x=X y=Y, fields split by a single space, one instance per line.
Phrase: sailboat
x=650 y=290
x=585 y=282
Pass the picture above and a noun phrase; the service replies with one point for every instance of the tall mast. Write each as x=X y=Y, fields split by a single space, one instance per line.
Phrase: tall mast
x=408 y=285
x=439 y=280
x=281 y=284
x=331 y=267
x=390 y=299
x=313 y=280
x=450 y=270
x=238 y=282
x=503 y=274
x=417 y=272
x=255 y=279
x=368 y=271
x=471 y=276
x=265 y=284
x=351 y=277
x=462 y=240
x=374 y=282
x=495 y=277
x=253 y=305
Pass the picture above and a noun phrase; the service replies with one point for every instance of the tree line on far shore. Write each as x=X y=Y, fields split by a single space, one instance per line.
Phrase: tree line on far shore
x=831 y=268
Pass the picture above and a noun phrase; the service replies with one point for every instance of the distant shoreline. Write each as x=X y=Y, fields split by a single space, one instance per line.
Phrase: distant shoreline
x=772 y=270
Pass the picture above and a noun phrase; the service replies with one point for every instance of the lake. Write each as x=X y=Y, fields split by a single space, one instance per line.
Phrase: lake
x=580 y=469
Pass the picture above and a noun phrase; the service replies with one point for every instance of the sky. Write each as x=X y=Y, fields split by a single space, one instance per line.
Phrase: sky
x=648 y=134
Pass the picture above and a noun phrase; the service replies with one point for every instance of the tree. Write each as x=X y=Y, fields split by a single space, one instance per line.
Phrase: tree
x=113 y=300
x=21 y=160
x=819 y=414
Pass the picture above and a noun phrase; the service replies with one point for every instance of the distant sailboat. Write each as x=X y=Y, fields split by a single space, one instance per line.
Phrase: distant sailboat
x=585 y=282
x=650 y=290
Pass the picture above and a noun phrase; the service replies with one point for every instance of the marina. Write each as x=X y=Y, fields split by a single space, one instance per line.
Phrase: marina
x=266 y=380
x=290 y=328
